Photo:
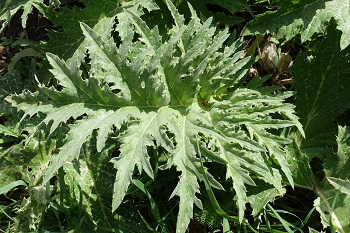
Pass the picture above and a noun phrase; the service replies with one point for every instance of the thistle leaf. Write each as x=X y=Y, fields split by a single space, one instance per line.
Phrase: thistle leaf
x=10 y=8
x=333 y=202
x=321 y=96
x=182 y=94
x=306 y=18
x=321 y=92
x=340 y=184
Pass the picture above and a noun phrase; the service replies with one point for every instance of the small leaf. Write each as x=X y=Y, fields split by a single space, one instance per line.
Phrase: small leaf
x=12 y=185
x=342 y=185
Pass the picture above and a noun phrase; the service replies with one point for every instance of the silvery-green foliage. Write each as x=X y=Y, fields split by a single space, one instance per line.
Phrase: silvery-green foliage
x=181 y=92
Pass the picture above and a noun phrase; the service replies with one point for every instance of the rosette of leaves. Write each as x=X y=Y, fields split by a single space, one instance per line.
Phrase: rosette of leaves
x=182 y=92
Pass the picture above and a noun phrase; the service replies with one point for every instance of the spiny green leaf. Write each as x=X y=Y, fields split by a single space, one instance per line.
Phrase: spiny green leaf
x=182 y=94
x=289 y=16
x=259 y=200
x=321 y=92
x=322 y=95
x=337 y=163
x=32 y=161
x=220 y=17
x=299 y=165
x=10 y=7
x=98 y=15
x=333 y=203
x=90 y=182
x=307 y=18
x=340 y=184
x=134 y=149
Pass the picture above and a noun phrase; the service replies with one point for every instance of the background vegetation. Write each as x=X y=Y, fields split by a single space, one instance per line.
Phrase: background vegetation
x=174 y=116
